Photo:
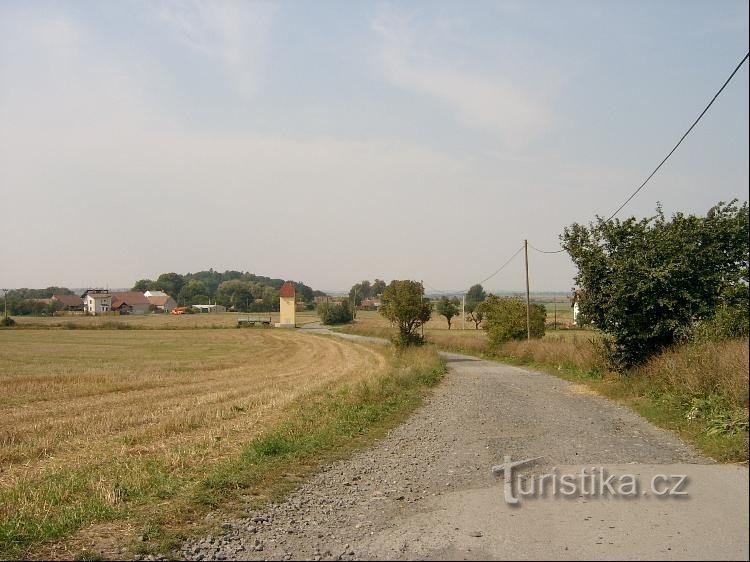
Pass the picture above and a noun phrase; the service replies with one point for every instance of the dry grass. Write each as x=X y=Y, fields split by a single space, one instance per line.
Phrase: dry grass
x=152 y=321
x=95 y=420
x=469 y=340
x=703 y=369
x=574 y=350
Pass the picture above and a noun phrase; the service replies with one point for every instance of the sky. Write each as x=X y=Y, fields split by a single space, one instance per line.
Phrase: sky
x=330 y=142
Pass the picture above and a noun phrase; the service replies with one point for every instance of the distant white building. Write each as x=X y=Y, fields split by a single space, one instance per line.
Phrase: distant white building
x=210 y=307
x=96 y=301
x=576 y=307
x=148 y=294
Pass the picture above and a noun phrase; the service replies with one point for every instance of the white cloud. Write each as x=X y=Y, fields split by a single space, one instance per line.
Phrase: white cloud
x=489 y=102
x=235 y=33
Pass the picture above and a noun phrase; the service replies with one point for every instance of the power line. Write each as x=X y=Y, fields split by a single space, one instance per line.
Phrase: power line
x=653 y=173
x=681 y=139
x=546 y=251
x=499 y=269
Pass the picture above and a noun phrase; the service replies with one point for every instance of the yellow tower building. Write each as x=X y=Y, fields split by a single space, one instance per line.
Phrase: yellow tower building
x=287 y=306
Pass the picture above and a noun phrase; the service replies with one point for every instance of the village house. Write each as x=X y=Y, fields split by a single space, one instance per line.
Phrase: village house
x=130 y=302
x=369 y=304
x=161 y=301
x=68 y=303
x=96 y=301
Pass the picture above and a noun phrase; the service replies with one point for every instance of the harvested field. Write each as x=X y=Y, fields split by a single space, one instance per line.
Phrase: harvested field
x=94 y=420
x=151 y=321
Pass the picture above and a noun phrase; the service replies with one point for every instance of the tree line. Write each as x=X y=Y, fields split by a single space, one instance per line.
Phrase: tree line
x=237 y=290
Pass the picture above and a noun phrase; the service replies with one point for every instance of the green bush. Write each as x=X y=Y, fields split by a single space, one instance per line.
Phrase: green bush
x=7 y=322
x=729 y=322
x=649 y=283
x=335 y=313
x=505 y=319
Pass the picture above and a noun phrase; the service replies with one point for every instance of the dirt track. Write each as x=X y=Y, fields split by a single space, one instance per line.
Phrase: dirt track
x=427 y=491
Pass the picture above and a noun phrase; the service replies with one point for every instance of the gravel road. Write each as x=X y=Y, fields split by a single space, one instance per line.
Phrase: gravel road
x=427 y=490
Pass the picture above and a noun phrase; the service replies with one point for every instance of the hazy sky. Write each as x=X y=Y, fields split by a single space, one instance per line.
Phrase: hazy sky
x=330 y=142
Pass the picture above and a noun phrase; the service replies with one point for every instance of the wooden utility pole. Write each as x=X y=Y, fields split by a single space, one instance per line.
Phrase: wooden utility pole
x=463 y=311
x=554 y=303
x=528 y=303
x=5 y=297
x=421 y=299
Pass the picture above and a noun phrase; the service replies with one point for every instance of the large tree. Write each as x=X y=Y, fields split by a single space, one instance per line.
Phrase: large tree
x=193 y=292
x=170 y=283
x=404 y=304
x=448 y=308
x=648 y=282
x=143 y=285
x=236 y=294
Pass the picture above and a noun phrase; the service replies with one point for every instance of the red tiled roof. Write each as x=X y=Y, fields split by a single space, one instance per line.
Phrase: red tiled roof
x=159 y=301
x=287 y=290
x=68 y=300
x=130 y=297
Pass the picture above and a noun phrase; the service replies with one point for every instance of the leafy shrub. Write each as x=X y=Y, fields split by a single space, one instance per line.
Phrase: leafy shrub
x=505 y=319
x=729 y=322
x=648 y=282
x=335 y=313
x=7 y=322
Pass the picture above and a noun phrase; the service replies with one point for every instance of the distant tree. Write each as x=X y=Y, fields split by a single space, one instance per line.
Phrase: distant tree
x=360 y=291
x=192 y=291
x=236 y=295
x=448 y=308
x=170 y=283
x=303 y=292
x=649 y=283
x=474 y=296
x=505 y=319
x=404 y=304
x=143 y=285
x=378 y=286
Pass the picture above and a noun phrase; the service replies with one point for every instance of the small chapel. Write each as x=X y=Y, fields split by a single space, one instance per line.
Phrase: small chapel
x=287 y=306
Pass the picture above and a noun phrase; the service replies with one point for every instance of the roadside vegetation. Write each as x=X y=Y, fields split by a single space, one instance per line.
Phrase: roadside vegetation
x=119 y=433
x=336 y=312
x=669 y=298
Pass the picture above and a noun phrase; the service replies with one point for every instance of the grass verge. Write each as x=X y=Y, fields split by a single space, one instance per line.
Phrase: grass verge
x=164 y=504
x=698 y=390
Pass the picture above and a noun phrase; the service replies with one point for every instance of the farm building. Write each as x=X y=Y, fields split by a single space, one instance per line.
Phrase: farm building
x=210 y=307
x=287 y=306
x=148 y=294
x=96 y=301
x=130 y=302
x=369 y=304
x=72 y=303
x=162 y=302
